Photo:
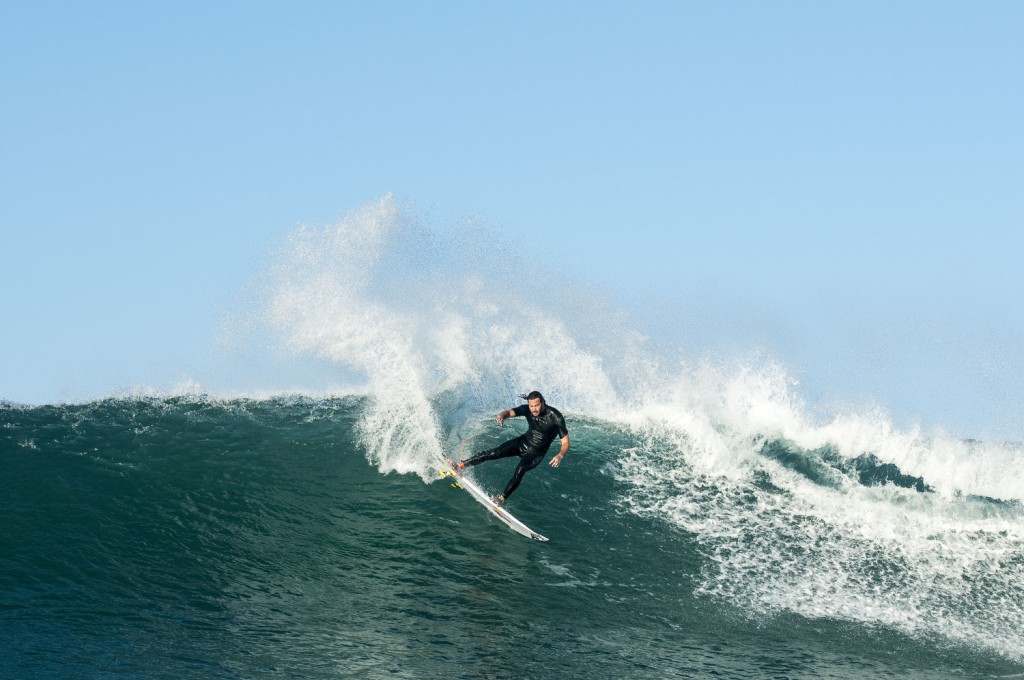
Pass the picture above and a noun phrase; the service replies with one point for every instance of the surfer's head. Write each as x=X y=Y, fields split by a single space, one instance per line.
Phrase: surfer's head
x=536 y=402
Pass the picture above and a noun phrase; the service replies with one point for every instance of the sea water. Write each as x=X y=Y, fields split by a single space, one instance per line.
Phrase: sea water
x=704 y=523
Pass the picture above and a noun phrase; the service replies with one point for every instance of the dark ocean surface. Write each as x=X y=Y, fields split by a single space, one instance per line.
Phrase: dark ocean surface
x=180 y=537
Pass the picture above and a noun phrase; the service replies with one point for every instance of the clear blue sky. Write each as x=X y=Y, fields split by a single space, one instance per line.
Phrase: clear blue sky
x=840 y=184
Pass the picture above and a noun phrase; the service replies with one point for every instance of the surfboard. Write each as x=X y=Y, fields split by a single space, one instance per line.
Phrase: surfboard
x=464 y=482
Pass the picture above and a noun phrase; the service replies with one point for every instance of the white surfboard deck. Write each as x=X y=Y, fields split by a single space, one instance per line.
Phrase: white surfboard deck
x=498 y=511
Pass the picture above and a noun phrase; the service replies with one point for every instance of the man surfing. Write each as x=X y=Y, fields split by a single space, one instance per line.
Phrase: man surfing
x=544 y=423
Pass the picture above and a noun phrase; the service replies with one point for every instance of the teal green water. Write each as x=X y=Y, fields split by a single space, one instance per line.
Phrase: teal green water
x=169 y=538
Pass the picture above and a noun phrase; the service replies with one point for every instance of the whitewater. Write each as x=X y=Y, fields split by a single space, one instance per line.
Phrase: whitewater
x=706 y=523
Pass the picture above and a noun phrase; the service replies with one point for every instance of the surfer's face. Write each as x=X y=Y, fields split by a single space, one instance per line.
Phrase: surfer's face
x=536 y=406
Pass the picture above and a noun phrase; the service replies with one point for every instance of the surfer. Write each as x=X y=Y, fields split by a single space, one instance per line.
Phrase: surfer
x=544 y=423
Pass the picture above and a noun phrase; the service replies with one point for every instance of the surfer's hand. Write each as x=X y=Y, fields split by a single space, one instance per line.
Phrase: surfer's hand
x=501 y=419
x=557 y=460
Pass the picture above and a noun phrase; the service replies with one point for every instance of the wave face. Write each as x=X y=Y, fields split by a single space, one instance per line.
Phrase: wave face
x=705 y=522
x=193 y=537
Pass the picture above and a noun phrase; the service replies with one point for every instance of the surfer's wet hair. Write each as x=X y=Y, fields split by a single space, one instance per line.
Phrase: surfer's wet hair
x=533 y=395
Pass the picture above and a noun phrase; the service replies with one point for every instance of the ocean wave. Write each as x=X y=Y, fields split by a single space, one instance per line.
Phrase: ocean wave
x=827 y=516
x=770 y=529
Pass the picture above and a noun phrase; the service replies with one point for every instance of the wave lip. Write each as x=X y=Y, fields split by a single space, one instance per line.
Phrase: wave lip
x=825 y=535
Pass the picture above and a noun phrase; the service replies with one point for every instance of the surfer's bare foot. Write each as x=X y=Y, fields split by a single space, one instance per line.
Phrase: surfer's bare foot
x=498 y=500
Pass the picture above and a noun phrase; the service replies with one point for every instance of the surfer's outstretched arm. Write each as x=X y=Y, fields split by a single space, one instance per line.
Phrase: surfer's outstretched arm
x=557 y=460
x=507 y=413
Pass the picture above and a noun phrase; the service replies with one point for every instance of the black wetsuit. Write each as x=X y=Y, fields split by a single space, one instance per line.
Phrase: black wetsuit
x=530 y=447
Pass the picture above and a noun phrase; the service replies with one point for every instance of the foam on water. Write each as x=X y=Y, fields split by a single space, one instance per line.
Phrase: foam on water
x=802 y=534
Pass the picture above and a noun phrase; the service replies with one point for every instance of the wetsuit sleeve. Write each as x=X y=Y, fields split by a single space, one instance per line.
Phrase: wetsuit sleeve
x=520 y=410
x=563 y=431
